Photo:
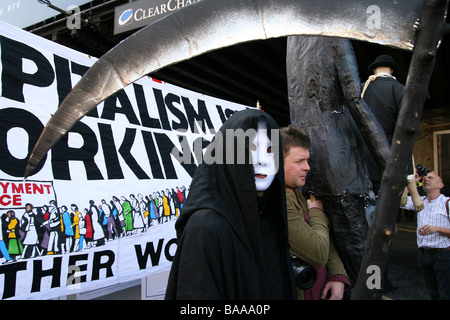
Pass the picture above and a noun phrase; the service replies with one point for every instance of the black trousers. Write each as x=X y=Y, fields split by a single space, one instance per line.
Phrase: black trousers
x=435 y=267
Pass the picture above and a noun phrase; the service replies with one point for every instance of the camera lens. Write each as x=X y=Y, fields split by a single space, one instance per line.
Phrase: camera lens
x=305 y=275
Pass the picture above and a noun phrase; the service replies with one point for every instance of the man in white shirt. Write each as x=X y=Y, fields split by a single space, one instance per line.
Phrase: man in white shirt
x=433 y=237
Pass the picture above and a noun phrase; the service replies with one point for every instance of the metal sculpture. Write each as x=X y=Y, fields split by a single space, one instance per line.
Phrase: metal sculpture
x=210 y=24
x=323 y=93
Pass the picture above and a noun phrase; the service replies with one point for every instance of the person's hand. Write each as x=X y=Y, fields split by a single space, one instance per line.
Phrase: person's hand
x=335 y=290
x=427 y=229
x=417 y=200
x=417 y=177
x=313 y=202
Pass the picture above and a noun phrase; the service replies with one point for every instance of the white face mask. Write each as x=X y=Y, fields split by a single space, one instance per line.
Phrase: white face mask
x=263 y=158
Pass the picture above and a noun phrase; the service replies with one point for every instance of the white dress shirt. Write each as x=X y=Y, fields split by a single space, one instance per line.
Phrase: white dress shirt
x=434 y=213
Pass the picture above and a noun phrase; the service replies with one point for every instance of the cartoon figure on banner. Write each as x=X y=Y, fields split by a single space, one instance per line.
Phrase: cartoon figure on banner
x=175 y=202
x=143 y=210
x=54 y=226
x=116 y=218
x=10 y=230
x=153 y=213
x=68 y=233
x=111 y=228
x=89 y=234
x=44 y=230
x=166 y=205
x=98 y=234
x=159 y=204
x=119 y=216
x=3 y=248
x=28 y=227
x=180 y=199
x=138 y=220
x=83 y=229
x=76 y=215
x=170 y=199
x=52 y=230
x=127 y=213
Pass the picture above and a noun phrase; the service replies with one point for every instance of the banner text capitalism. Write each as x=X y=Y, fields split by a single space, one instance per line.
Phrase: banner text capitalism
x=152 y=123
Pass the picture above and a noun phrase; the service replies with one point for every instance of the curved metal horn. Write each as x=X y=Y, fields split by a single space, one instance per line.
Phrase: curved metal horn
x=211 y=24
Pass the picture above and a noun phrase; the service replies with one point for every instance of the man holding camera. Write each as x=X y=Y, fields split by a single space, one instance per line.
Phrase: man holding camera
x=433 y=237
x=308 y=226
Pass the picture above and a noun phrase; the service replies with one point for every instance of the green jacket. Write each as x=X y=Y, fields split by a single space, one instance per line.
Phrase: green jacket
x=311 y=243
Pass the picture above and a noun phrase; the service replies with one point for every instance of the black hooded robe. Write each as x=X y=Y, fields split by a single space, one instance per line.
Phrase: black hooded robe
x=231 y=244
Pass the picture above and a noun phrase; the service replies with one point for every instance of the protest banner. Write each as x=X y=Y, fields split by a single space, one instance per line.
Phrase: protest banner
x=100 y=208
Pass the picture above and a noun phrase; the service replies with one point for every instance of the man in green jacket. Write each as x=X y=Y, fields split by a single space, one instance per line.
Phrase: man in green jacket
x=308 y=226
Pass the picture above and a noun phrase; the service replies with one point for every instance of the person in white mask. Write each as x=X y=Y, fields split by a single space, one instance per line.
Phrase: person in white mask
x=263 y=159
x=232 y=230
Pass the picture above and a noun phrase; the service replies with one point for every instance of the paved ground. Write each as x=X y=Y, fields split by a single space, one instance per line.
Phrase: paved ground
x=403 y=271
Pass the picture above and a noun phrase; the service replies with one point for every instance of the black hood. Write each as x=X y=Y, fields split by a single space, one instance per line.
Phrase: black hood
x=228 y=188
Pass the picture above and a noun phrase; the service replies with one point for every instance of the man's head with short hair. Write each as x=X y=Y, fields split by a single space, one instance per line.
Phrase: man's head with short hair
x=294 y=137
x=296 y=144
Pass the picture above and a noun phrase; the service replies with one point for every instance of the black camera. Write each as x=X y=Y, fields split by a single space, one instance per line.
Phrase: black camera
x=421 y=170
x=304 y=275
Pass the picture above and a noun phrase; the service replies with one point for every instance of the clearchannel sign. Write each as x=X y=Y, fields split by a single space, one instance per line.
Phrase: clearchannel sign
x=137 y=14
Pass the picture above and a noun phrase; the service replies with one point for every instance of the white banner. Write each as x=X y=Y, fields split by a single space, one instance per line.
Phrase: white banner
x=101 y=208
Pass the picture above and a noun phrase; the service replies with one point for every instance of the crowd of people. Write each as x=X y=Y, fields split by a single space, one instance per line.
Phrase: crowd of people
x=52 y=229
